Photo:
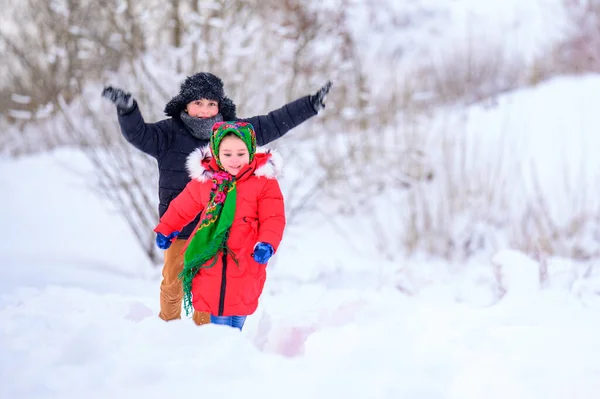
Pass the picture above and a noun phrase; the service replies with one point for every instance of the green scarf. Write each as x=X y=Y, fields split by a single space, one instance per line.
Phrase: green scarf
x=211 y=236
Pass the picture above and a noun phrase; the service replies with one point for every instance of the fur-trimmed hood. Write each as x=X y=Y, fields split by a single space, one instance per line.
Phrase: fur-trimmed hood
x=266 y=162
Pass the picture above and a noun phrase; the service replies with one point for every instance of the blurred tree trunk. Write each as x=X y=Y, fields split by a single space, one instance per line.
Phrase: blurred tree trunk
x=74 y=72
x=194 y=51
x=177 y=30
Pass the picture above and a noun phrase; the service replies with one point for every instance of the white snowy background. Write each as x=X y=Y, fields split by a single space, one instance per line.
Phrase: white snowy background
x=338 y=318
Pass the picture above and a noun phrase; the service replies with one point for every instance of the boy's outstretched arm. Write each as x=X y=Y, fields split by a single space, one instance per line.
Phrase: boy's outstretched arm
x=280 y=121
x=150 y=138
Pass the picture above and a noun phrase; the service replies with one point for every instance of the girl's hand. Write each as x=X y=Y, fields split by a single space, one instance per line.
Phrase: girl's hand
x=164 y=242
x=262 y=252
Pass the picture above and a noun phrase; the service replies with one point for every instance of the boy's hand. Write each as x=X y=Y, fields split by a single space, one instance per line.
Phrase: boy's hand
x=262 y=252
x=164 y=242
x=318 y=99
x=122 y=99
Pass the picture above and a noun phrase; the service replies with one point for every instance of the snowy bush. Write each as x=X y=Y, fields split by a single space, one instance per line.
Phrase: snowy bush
x=579 y=51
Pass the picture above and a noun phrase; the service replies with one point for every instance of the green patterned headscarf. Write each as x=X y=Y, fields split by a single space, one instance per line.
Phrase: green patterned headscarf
x=210 y=237
x=243 y=130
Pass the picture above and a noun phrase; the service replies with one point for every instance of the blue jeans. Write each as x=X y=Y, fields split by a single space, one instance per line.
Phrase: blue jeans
x=231 y=321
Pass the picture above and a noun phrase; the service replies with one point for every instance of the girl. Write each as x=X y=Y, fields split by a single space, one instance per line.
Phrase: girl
x=241 y=224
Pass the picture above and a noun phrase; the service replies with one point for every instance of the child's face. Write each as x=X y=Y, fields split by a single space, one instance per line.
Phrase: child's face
x=202 y=108
x=233 y=154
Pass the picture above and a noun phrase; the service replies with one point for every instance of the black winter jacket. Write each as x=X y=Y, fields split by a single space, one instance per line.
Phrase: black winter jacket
x=170 y=142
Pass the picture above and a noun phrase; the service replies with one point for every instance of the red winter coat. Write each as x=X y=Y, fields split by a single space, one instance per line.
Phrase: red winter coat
x=227 y=288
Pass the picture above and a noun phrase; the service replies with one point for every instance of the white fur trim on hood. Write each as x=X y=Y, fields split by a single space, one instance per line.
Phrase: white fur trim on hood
x=271 y=170
x=194 y=164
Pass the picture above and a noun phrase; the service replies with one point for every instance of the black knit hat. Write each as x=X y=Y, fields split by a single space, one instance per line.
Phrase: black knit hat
x=201 y=85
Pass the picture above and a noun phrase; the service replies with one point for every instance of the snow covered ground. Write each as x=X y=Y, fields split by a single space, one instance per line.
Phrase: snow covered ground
x=78 y=300
x=78 y=306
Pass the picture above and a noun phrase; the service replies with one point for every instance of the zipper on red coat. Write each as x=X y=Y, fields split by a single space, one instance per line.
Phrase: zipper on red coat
x=223 y=284
x=224 y=277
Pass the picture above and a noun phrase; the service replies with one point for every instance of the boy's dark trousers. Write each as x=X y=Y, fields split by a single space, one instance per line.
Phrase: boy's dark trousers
x=171 y=289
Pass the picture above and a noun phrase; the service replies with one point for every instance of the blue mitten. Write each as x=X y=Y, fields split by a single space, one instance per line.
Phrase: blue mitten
x=262 y=252
x=164 y=242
